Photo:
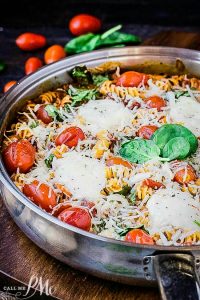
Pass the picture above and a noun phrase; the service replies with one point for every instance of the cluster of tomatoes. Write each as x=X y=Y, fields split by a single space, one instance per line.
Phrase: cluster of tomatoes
x=78 y=25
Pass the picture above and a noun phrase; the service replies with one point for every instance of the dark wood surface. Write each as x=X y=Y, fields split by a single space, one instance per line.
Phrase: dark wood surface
x=20 y=258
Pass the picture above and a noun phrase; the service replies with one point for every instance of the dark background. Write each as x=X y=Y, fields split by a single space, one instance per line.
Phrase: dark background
x=142 y=17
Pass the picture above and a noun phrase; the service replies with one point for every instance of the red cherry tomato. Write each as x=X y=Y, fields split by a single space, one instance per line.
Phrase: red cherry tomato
x=155 y=102
x=70 y=136
x=147 y=131
x=30 y=41
x=185 y=175
x=89 y=205
x=132 y=79
x=153 y=184
x=77 y=217
x=19 y=154
x=32 y=64
x=41 y=194
x=54 y=53
x=84 y=23
x=8 y=85
x=118 y=161
x=42 y=115
x=138 y=236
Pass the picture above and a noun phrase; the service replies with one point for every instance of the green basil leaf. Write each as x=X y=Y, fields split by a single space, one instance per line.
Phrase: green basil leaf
x=81 y=95
x=83 y=43
x=98 y=79
x=53 y=112
x=123 y=232
x=181 y=93
x=81 y=75
x=125 y=190
x=34 y=124
x=197 y=222
x=119 y=38
x=2 y=65
x=110 y=31
x=176 y=148
x=139 y=150
x=169 y=131
x=48 y=161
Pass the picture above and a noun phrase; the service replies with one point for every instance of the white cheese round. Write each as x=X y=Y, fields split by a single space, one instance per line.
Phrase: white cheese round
x=105 y=114
x=84 y=177
x=186 y=111
x=170 y=207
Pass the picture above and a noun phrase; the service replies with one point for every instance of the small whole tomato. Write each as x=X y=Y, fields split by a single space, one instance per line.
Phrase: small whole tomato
x=185 y=175
x=118 y=161
x=19 y=154
x=41 y=194
x=32 y=64
x=132 y=79
x=8 y=85
x=147 y=131
x=83 y=23
x=155 y=102
x=54 y=53
x=139 y=236
x=70 y=137
x=153 y=184
x=42 y=115
x=76 y=216
x=30 y=41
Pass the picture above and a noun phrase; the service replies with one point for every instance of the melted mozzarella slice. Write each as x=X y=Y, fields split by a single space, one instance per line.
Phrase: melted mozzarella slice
x=170 y=207
x=84 y=177
x=105 y=115
x=187 y=111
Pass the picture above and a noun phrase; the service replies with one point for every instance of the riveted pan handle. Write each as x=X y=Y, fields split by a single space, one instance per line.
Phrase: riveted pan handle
x=177 y=276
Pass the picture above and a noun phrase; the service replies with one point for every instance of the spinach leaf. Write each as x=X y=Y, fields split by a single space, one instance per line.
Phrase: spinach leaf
x=169 y=131
x=125 y=190
x=133 y=197
x=81 y=75
x=197 y=222
x=48 y=161
x=34 y=124
x=80 y=95
x=139 y=150
x=123 y=232
x=176 y=148
x=98 y=79
x=181 y=93
x=2 y=65
x=53 y=112
x=119 y=38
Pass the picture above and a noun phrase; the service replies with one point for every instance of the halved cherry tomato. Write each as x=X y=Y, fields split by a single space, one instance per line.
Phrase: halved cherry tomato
x=118 y=161
x=8 y=85
x=32 y=64
x=84 y=23
x=77 y=217
x=54 y=53
x=153 y=184
x=41 y=194
x=89 y=205
x=138 y=236
x=155 y=102
x=147 y=131
x=30 y=41
x=19 y=154
x=70 y=136
x=185 y=175
x=131 y=79
x=42 y=115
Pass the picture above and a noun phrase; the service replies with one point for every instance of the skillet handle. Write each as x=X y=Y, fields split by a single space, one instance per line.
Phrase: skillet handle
x=177 y=276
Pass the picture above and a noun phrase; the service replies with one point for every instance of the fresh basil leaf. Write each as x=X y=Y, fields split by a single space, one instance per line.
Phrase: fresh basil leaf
x=53 y=112
x=125 y=190
x=139 y=150
x=110 y=31
x=119 y=38
x=98 y=79
x=81 y=95
x=2 y=65
x=81 y=75
x=169 y=131
x=48 y=161
x=197 y=222
x=181 y=93
x=34 y=124
x=176 y=148
x=83 y=43
x=123 y=232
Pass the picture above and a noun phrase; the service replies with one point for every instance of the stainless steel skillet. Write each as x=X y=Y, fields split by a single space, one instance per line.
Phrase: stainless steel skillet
x=174 y=269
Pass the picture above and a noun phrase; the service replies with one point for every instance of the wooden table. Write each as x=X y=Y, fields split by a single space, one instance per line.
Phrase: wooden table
x=21 y=258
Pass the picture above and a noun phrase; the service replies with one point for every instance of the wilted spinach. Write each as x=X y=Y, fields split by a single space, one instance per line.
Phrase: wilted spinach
x=81 y=75
x=181 y=93
x=176 y=148
x=125 y=190
x=123 y=232
x=53 y=112
x=34 y=124
x=48 y=161
x=98 y=79
x=79 y=95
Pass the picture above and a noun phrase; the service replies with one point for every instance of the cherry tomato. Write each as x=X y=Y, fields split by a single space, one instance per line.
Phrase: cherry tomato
x=8 y=85
x=30 y=41
x=41 y=194
x=132 y=79
x=153 y=184
x=135 y=104
x=42 y=115
x=138 y=236
x=118 y=161
x=89 y=205
x=70 y=136
x=77 y=217
x=147 y=131
x=155 y=102
x=32 y=64
x=84 y=23
x=54 y=53
x=19 y=154
x=185 y=175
